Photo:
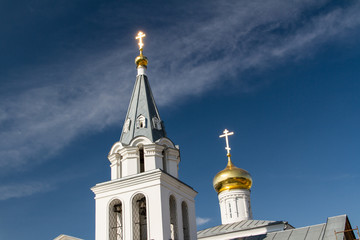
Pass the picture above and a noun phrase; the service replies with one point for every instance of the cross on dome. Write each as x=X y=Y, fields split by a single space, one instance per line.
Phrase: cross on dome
x=141 y=61
x=226 y=135
x=140 y=36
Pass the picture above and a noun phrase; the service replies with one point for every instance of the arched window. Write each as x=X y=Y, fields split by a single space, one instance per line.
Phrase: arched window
x=185 y=219
x=115 y=220
x=173 y=219
x=139 y=210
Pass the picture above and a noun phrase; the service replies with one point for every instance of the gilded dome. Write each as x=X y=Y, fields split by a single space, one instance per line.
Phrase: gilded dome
x=232 y=178
x=141 y=60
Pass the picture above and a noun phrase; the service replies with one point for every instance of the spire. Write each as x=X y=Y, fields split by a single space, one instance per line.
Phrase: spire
x=142 y=118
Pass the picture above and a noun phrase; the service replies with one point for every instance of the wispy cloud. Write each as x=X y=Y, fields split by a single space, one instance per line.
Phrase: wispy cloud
x=201 y=221
x=89 y=92
x=22 y=190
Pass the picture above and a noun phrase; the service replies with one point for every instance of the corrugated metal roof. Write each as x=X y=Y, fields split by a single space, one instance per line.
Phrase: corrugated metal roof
x=323 y=231
x=234 y=227
x=314 y=232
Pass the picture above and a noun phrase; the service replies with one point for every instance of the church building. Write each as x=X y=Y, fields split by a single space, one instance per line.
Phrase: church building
x=146 y=200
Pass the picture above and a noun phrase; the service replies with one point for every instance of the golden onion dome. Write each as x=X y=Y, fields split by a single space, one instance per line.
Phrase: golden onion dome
x=232 y=178
x=141 y=60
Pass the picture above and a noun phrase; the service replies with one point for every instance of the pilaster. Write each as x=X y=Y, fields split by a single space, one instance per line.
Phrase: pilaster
x=173 y=159
x=115 y=165
x=153 y=156
x=130 y=161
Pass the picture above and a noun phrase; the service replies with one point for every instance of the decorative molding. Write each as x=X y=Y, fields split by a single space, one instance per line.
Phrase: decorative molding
x=113 y=158
x=116 y=148
x=150 y=177
x=129 y=152
x=140 y=140
x=173 y=154
x=153 y=150
x=166 y=141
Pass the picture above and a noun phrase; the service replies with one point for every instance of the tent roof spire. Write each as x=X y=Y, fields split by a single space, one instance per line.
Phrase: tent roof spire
x=142 y=118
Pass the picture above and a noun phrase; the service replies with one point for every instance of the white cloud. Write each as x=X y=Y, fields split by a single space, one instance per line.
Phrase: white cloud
x=22 y=190
x=201 y=221
x=87 y=93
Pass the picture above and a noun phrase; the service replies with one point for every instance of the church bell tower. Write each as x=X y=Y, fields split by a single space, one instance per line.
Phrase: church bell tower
x=144 y=199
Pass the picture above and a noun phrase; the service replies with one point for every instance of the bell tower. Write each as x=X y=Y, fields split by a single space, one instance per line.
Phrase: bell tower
x=144 y=198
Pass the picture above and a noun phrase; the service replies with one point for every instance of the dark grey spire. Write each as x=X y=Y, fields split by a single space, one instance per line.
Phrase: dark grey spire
x=142 y=118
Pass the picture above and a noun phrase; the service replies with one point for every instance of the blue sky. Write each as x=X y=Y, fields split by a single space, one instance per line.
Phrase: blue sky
x=283 y=75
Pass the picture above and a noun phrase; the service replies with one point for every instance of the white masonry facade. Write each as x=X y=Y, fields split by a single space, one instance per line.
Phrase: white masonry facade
x=235 y=205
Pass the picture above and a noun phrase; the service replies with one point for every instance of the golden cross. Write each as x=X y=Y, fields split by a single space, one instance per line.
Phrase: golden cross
x=140 y=36
x=226 y=134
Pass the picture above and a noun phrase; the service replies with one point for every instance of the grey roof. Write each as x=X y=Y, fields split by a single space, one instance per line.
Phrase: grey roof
x=314 y=232
x=235 y=227
x=323 y=231
x=142 y=103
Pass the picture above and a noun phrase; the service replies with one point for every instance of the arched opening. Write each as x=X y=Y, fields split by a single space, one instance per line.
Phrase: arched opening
x=142 y=159
x=173 y=219
x=185 y=219
x=119 y=167
x=115 y=220
x=164 y=161
x=139 y=210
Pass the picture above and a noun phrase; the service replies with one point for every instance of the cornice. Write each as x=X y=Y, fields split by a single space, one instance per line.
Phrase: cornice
x=153 y=177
